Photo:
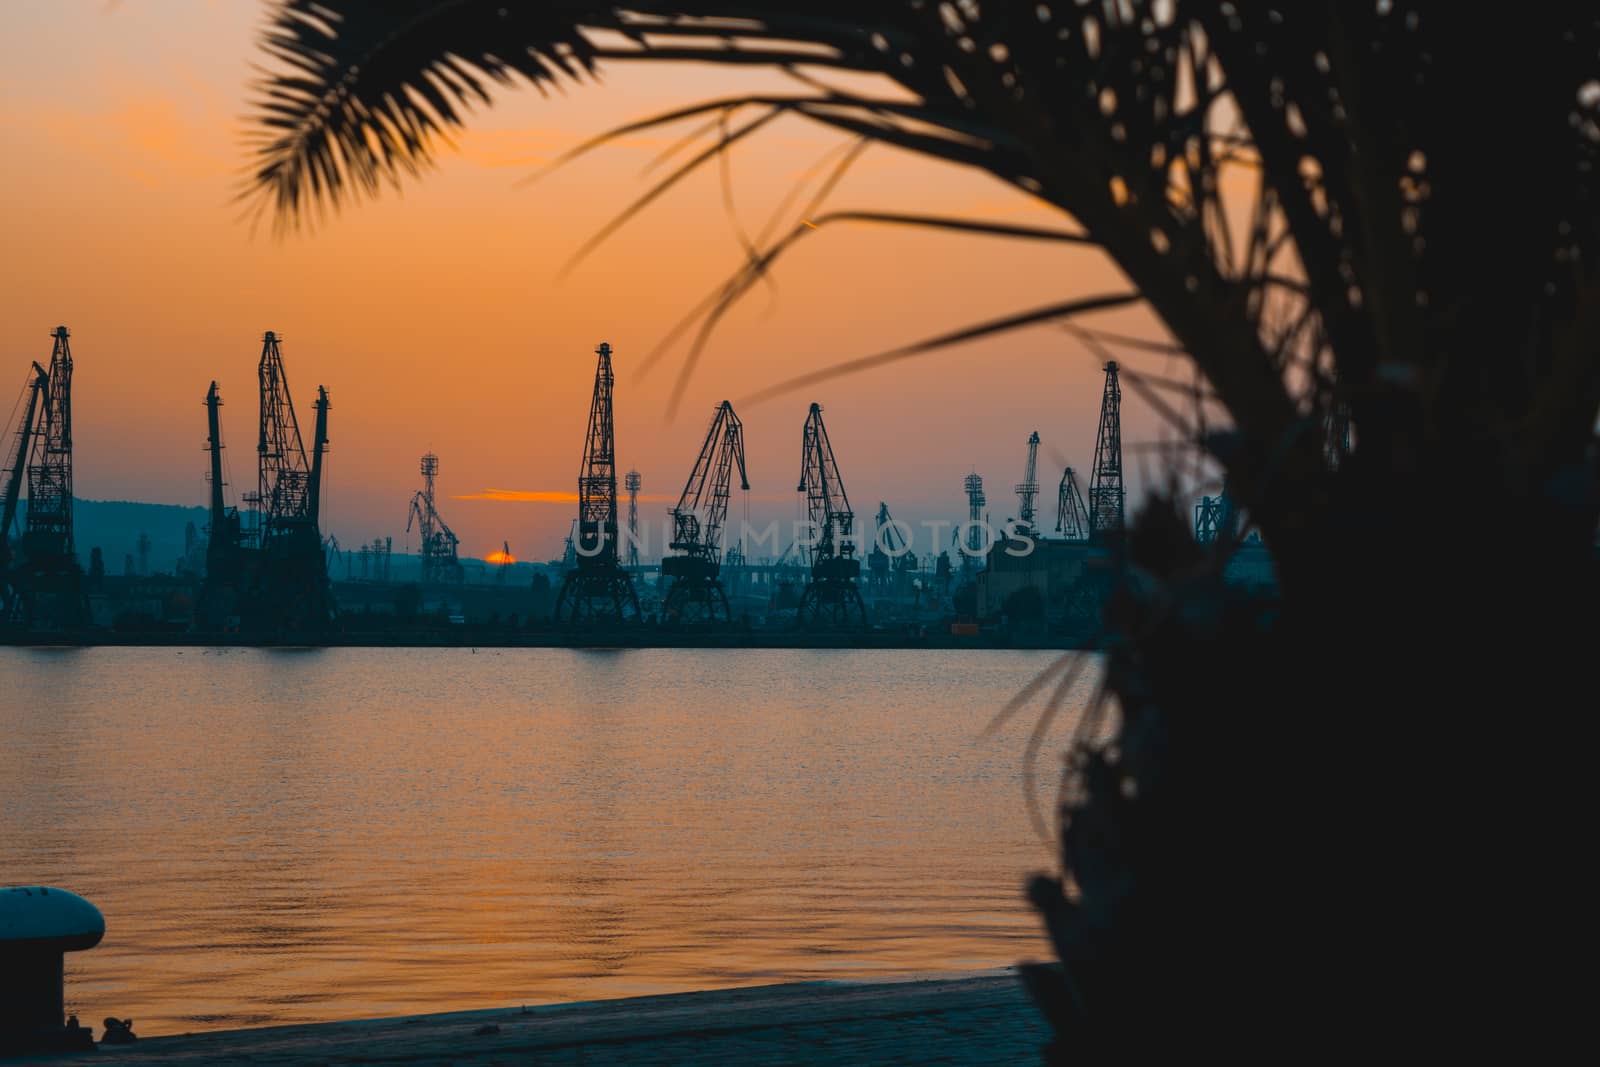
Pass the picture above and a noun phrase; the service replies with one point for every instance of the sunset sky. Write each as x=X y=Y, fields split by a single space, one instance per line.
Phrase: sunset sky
x=436 y=317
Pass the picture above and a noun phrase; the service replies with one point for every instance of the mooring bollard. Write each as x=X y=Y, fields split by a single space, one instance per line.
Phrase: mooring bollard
x=38 y=925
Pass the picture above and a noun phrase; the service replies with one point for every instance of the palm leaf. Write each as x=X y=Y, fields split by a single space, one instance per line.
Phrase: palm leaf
x=1048 y=313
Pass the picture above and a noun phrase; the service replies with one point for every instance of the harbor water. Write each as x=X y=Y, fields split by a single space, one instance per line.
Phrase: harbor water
x=298 y=835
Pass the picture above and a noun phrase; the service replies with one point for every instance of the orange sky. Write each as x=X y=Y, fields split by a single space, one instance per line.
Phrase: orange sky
x=436 y=319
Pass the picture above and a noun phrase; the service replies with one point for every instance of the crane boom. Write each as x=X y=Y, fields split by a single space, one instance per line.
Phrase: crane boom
x=13 y=490
x=831 y=598
x=702 y=509
x=696 y=594
x=596 y=590
x=1072 y=518
x=283 y=475
x=49 y=582
x=289 y=588
x=19 y=461
x=827 y=505
x=890 y=550
x=49 y=526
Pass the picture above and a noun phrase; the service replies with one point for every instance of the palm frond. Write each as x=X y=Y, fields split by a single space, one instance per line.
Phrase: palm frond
x=363 y=90
x=1048 y=313
x=367 y=87
x=715 y=150
x=1319 y=289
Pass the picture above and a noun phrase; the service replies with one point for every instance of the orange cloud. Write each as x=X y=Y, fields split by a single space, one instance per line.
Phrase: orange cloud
x=542 y=496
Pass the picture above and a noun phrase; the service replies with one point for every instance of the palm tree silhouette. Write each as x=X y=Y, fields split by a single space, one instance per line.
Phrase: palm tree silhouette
x=1374 y=219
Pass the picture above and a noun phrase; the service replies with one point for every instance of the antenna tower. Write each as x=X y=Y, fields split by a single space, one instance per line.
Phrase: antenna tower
x=633 y=483
x=976 y=501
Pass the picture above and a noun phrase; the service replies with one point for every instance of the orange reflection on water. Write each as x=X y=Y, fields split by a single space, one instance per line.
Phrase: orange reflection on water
x=287 y=836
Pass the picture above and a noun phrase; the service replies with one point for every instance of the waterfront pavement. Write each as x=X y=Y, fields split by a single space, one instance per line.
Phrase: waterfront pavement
x=974 y=1019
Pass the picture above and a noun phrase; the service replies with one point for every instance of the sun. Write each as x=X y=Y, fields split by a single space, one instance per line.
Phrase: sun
x=499 y=557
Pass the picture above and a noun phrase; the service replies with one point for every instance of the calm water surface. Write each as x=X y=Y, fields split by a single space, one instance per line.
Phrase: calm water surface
x=283 y=836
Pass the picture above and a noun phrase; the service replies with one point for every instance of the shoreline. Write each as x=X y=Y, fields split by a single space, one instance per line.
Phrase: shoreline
x=627 y=638
x=977 y=1017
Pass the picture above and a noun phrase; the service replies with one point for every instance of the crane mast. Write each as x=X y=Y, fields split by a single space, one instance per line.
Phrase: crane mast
x=697 y=593
x=1105 y=481
x=1028 y=488
x=214 y=446
x=225 y=555
x=50 y=466
x=319 y=448
x=283 y=475
x=831 y=598
x=9 y=598
x=596 y=589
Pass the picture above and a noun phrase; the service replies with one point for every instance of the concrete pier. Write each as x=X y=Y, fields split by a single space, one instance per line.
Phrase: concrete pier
x=982 y=1018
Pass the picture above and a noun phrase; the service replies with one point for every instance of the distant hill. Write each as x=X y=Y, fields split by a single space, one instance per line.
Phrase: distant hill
x=114 y=527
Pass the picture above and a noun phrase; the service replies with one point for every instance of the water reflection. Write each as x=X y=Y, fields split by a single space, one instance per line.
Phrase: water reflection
x=280 y=836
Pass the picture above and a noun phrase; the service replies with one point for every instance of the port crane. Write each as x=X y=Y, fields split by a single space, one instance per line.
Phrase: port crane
x=48 y=576
x=569 y=554
x=597 y=589
x=441 y=561
x=1214 y=519
x=1072 y=518
x=890 y=551
x=831 y=597
x=695 y=562
x=290 y=589
x=10 y=595
x=1028 y=488
x=1105 y=482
